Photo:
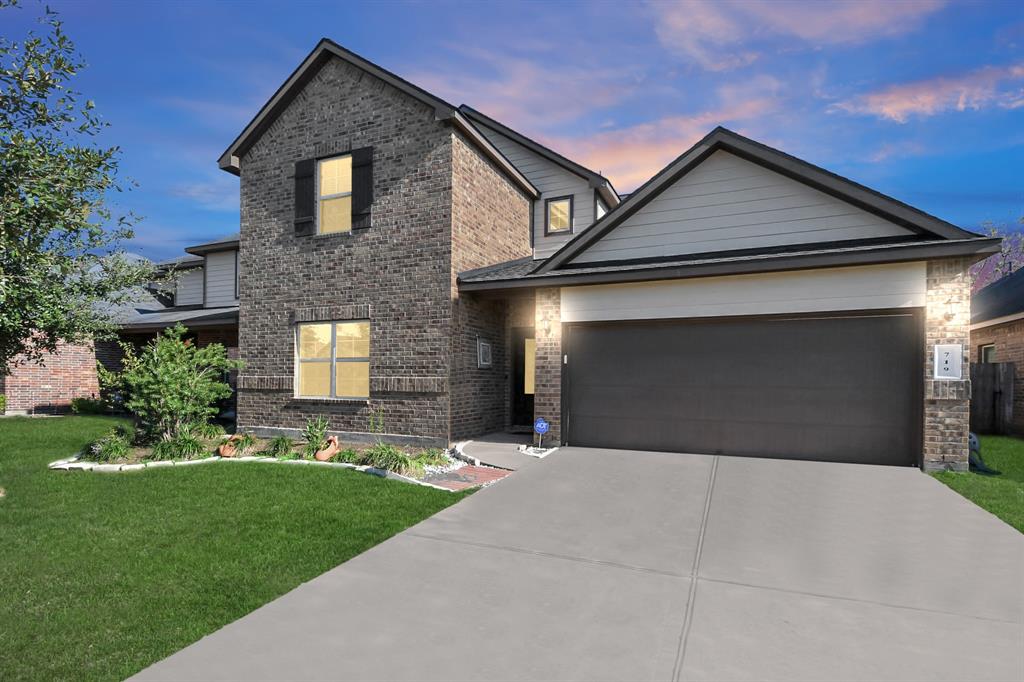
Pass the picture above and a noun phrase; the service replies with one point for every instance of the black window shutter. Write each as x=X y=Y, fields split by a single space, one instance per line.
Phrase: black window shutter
x=362 y=186
x=305 y=197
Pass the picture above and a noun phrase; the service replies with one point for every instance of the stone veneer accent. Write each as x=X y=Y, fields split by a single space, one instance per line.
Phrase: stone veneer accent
x=1008 y=339
x=947 y=403
x=439 y=208
x=547 y=397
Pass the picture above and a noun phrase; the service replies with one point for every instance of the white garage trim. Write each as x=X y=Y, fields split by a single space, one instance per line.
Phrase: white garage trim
x=898 y=285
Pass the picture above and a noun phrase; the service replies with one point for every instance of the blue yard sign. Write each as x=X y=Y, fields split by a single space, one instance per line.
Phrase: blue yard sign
x=541 y=426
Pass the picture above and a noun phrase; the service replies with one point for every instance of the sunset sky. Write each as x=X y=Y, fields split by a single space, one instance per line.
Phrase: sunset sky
x=922 y=100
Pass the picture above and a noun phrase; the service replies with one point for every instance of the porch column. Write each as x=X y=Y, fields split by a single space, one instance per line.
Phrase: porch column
x=946 y=402
x=547 y=397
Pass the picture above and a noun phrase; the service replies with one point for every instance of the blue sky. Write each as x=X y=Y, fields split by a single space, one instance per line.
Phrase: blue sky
x=921 y=99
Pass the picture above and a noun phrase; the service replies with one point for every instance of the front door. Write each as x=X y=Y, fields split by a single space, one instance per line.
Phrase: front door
x=523 y=352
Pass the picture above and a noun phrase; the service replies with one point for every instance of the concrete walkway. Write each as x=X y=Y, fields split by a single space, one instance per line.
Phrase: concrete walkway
x=501 y=450
x=614 y=565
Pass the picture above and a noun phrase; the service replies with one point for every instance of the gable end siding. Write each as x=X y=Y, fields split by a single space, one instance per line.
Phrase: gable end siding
x=729 y=204
x=188 y=289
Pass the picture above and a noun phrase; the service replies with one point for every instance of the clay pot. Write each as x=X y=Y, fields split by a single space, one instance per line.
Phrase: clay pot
x=330 y=451
x=229 y=448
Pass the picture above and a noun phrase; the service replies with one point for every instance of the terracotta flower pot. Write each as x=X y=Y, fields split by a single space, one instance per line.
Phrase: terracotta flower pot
x=330 y=451
x=228 y=448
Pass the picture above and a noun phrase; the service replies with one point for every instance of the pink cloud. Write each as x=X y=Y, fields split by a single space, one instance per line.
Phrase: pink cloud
x=717 y=35
x=630 y=156
x=990 y=86
x=529 y=93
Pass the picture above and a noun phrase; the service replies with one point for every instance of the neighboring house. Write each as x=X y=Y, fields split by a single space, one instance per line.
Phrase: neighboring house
x=407 y=259
x=997 y=332
x=203 y=297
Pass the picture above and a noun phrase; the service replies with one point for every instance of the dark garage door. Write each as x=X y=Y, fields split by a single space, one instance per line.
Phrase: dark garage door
x=834 y=388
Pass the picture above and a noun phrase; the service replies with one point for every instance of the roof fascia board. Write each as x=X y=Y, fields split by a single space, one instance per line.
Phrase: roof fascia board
x=720 y=138
x=997 y=320
x=203 y=249
x=595 y=180
x=974 y=248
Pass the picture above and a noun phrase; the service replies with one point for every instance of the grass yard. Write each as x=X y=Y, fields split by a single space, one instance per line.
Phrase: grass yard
x=1003 y=495
x=104 y=574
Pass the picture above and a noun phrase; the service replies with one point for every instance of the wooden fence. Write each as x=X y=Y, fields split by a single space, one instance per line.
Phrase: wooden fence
x=992 y=397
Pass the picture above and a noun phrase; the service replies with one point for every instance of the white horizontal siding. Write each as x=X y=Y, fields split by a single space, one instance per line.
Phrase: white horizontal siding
x=220 y=279
x=189 y=288
x=727 y=203
x=900 y=285
x=551 y=180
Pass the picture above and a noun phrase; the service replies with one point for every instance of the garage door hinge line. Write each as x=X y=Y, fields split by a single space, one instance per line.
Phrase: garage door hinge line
x=688 y=618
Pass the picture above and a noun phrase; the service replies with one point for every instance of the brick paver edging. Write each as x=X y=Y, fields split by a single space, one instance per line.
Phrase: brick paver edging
x=75 y=463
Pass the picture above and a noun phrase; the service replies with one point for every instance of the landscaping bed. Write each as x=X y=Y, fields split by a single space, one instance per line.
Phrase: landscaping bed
x=105 y=575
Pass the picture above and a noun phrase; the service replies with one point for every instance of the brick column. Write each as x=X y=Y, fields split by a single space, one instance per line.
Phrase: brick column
x=547 y=396
x=947 y=403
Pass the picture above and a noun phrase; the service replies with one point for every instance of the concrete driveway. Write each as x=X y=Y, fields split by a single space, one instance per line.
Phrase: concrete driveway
x=615 y=565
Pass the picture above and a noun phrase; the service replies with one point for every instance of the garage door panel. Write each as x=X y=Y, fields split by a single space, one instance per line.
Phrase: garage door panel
x=829 y=388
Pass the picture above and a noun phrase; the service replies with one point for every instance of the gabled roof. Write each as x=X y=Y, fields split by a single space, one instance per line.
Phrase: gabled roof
x=596 y=180
x=919 y=222
x=1002 y=298
x=328 y=49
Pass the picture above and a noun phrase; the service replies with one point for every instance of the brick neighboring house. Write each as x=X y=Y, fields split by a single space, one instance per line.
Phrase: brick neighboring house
x=997 y=333
x=204 y=298
x=411 y=260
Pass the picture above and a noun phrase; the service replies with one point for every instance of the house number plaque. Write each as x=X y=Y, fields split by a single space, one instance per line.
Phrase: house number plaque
x=949 y=360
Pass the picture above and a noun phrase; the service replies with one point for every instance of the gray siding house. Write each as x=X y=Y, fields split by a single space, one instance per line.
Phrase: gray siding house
x=405 y=259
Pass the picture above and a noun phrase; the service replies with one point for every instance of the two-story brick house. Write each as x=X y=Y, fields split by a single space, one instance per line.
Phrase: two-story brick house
x=411 y=260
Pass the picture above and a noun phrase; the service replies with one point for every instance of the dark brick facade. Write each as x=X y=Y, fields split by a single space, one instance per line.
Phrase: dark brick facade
x=1008 y=339
x=400 y=273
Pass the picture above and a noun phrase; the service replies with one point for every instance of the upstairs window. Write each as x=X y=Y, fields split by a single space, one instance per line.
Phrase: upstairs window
x=333 y=360
x=334 y=194
x=558 y=215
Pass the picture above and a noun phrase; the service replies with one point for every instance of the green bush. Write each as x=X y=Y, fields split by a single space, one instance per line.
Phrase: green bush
x=385 y=456
x=279 y=446
x=109 y=447
x=88 y=406
x=207 y=430
x=3 y=404
x=315 y=435
x=183 y=445
x=348 y=456
x=170 y=383
x=434 y=457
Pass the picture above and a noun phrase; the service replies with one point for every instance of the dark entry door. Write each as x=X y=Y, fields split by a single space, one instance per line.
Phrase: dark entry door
x=522 y=376
x=844 y=388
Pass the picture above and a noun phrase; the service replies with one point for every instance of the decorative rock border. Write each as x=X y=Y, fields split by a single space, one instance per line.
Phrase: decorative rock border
x=76 y=463
x=534 y=451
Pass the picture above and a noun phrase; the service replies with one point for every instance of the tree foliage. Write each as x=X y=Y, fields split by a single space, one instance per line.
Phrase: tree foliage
x=171 y=383
x=1009 y=259
x=61 y=268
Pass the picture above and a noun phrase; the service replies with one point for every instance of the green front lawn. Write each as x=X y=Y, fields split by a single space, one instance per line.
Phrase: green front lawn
x=104 y=574
x=1003 y=495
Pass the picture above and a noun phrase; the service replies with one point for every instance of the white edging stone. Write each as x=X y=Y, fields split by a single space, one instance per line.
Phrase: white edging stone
x=75 y=463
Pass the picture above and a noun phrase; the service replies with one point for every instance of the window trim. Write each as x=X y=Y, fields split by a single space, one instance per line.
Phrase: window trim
x=981 y=352
x=317 y=198
x=332 y=360
x=547 y=215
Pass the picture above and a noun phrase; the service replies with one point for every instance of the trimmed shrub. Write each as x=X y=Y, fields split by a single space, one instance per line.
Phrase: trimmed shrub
x=3 y=403
x=279 y=446
x=88 y=406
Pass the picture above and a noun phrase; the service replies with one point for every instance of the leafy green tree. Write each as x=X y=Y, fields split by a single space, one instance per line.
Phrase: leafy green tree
x=61 y=266
x=170 y=383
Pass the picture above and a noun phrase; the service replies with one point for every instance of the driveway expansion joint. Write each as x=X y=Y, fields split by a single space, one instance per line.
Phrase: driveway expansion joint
x=694 y=574
x=549 y=555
